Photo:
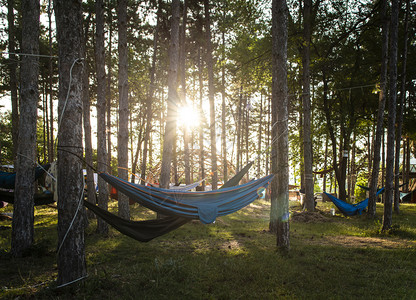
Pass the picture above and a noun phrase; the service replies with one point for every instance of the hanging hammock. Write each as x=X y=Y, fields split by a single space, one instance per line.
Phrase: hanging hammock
x=145 y=231
x=351 y=209
x=43 y=198
x=205 y=206
x=7 y=179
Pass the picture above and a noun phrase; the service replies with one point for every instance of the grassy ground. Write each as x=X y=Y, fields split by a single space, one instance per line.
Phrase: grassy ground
x=331 y=257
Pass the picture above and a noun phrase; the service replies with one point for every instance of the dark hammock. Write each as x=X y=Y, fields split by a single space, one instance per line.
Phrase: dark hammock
x=43 y=198
x=145 y=231
x=351 y=209
x=7 y=179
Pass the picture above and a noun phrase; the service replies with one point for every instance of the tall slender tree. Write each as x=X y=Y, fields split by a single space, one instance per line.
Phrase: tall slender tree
x=211 y=95
x=306 y=97
x=380 y=113
x=123 y=109
x=388 y=199
x=23 y=211
x=102 y=227
x=13 y=78
x=71 y=220
x=150 y=95
x=279 y=215
x=51 y=153
x=173 y=98
x=87 y=123
x=182 y=77
x=400 y=115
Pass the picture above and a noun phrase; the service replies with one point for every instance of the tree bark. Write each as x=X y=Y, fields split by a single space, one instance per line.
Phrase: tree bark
x=400 y=117
x=279 y=215
x=71 y=216
x=87 y=127
x=182 y=77
x=173 y=99
x=102 y=226
x=388 y=199
x=123 y=112
x=307 y=143
x=51 y=145
x=211 y=96
x=108 y=93
x=380 y=114
x=223 y=114
x=201 y=129
x=13 y=78
x=23 y=211
x=150 y=95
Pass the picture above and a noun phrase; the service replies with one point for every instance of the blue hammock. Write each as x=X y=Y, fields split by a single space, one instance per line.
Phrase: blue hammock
x=144 y=231
x=205 y=206
x=7 y=179
x=351 y=209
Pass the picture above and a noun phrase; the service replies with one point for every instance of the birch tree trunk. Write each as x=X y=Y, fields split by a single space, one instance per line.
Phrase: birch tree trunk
x=380 y=114
x=71 y=216
x=102 y=226
x=123 y=112
x=387 y=216
x=173 y=99
x=211 y=96
x=23 y=211
x=279 y=215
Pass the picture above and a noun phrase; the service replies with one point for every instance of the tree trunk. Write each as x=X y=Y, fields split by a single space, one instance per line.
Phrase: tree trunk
x=201 y=128
x=388 y=199
x=211 y=96
x=71 y=216
x=223 y=113
x=182 y=77
x=279 y=215
x=108 y=93
x=87 y=126
x=307 y=143
x=380 y=114
x=173 y=99
x=123 y=113
x=102 y=226
x=260 y=131
x=150 y=95
x=325 y=164
x=13 y=79
x=51 y=149
x=22 y=226
x=400 y=117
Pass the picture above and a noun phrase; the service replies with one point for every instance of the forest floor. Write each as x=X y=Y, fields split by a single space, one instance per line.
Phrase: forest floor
x=331 y=257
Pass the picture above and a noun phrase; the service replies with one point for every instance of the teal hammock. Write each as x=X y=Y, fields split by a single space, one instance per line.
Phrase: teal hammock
x=181 y=207
x=351 y=209
x=8 y=179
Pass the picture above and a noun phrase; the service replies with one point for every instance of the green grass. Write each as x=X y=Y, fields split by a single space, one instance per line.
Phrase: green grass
x=331 y=257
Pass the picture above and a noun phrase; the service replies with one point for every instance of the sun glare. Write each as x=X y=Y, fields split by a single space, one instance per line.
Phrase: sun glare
x=188 y=116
